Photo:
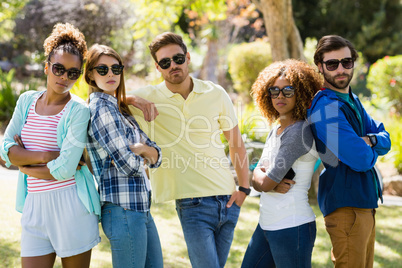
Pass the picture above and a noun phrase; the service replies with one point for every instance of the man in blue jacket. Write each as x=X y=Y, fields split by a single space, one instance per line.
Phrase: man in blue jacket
x=349 y=142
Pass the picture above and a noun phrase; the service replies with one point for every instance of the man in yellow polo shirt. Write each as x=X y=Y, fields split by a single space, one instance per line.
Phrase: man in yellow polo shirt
x=195 y=170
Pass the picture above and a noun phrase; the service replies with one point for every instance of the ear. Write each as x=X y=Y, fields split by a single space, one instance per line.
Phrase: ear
x=319 y=65
x=157 y=66
x=188 y=57
x=46 y=70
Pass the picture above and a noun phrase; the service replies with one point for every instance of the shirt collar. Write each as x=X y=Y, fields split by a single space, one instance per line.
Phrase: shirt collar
x=197 y=88
x=104 y=96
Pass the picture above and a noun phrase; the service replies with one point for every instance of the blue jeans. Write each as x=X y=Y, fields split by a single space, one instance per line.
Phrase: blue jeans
x=291 y=247
x=133 y=237
x=208 y=228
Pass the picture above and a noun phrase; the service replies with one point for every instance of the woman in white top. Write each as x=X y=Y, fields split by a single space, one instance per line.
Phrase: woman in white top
x=286 y=230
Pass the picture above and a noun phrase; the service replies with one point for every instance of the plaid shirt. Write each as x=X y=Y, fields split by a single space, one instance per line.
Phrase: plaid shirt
x=109 y=135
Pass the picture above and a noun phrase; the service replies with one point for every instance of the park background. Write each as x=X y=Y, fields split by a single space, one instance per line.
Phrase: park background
x=230 y=42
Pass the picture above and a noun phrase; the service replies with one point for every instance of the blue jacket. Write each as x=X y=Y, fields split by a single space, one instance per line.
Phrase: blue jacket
x=349 y=178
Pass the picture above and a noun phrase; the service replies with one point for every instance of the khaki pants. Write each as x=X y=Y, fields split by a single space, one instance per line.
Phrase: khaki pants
x=352 y=233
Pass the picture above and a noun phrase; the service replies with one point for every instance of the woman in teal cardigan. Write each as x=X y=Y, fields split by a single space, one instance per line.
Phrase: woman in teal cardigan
x=62 y=217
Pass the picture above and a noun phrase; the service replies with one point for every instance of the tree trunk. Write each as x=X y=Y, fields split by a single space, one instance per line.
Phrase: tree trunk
x=284 y=37
x=210 y=62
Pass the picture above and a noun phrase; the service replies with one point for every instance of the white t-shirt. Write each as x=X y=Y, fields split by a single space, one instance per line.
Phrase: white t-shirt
x=293 y=148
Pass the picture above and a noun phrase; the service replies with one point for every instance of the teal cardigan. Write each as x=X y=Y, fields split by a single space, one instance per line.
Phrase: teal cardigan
x=71 y=138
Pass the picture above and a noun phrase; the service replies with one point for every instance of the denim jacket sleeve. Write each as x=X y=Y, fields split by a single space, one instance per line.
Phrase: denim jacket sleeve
x=71 y=138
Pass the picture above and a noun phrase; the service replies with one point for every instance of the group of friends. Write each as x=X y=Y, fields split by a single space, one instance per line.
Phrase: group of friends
x=318 y=117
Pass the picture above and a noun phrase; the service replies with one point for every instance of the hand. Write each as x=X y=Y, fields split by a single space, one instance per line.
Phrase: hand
x=138 y=148
x=18 y=140
x=147 y=107
x=284 y=186
x=237 y=197
x=80 y=164
x=367 y=140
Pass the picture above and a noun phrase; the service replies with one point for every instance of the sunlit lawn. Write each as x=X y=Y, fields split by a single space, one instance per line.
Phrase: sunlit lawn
x=388 y=239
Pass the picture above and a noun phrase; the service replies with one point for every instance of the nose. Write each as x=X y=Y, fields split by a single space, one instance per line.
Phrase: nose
x=64 y=76
x=281 y=95
x=173 y=64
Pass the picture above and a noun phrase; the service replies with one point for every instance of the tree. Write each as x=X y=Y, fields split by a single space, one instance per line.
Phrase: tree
x=284 y=37
x=374 y=27
x=8 y=10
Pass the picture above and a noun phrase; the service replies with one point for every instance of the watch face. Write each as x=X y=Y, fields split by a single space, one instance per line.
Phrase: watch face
x=373 y=139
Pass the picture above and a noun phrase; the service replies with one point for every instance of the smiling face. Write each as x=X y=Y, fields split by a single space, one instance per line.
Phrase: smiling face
x=61 y=84
x=176 y=73
x=109 y=82
x=283 y=105
x=340 y=78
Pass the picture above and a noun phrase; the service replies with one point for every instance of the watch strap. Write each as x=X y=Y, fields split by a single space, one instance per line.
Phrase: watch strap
x=244 y=190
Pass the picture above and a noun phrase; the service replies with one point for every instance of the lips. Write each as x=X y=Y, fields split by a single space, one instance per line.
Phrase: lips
x=60 y=84
x=175 y=71
x=111 y=82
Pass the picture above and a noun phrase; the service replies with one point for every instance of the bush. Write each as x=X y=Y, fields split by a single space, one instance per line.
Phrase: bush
x=8 y=98
x=245 y=62
x=9 y=94
x=385 y=80
x=395 y=131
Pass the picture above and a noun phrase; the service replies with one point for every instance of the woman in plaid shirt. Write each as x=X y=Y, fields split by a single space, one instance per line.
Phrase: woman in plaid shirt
x=118 y=150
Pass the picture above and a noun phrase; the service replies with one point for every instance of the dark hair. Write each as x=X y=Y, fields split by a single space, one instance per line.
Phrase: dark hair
x=94 y=53
x=66 y=38
x=330 y=43
x=165 y=39
x=302 y=76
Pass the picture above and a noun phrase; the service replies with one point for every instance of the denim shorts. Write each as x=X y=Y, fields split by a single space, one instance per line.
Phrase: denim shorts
x=57 y=221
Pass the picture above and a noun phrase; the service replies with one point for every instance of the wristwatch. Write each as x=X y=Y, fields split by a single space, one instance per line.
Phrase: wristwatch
x=244 y=190
x=373 y=139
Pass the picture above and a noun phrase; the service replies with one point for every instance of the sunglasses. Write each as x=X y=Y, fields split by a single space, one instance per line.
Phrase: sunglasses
x=59 y=69
x=287 y=91
x=332 y=65
x=103 y=69
x=178 y=59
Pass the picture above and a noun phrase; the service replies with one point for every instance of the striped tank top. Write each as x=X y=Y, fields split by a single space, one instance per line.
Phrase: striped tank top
x=40 y=134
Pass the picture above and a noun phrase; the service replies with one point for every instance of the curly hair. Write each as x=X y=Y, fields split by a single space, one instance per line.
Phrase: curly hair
x=66 y=38
x=303 y=77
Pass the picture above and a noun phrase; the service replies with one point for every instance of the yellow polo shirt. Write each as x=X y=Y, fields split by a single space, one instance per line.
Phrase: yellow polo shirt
x=188 y=131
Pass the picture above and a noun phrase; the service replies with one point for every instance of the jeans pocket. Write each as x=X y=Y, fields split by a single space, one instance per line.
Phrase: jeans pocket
x=106 y=221
x=186 y=203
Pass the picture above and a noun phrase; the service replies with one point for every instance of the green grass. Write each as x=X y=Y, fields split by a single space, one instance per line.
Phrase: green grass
x=388 y=239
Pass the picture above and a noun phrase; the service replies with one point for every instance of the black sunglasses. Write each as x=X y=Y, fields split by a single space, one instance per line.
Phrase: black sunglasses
x=103 y=69
x=178 y=59
x=332 y=65
x=59 y=69
x=287 y=91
